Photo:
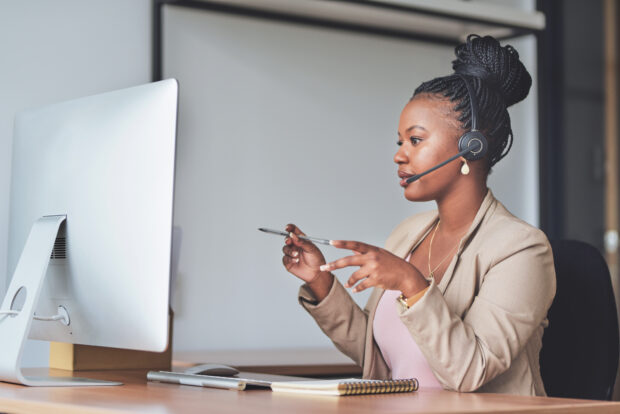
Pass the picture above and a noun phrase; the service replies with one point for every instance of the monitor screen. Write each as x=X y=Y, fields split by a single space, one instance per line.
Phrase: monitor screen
x=107 y=163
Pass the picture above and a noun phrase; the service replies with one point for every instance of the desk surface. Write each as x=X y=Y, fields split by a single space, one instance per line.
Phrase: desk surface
x=139 y=396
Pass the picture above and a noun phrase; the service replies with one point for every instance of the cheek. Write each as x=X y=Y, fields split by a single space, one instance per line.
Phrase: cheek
x=426 y=157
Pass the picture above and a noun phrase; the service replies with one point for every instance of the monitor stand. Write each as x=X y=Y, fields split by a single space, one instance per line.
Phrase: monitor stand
x=15 y=322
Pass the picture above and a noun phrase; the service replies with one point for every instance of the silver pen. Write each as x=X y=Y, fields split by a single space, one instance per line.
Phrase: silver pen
x=285 y=234
x=197 y=380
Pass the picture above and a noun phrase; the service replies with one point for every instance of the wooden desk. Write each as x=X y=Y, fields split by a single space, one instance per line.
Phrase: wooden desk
x=139 y=396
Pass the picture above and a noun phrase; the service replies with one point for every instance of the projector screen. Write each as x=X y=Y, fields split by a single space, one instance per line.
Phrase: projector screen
x=283 y=123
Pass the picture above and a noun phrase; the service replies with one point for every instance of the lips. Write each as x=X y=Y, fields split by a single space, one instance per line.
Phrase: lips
x=403 y=175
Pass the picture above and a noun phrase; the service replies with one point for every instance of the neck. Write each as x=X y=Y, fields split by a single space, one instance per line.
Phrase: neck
x=458 y=208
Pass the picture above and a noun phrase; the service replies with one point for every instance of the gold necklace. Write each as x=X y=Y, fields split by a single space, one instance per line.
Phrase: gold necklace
x=431 y=274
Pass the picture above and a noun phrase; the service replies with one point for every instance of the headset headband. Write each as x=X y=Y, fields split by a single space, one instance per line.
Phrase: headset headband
x=472 y=103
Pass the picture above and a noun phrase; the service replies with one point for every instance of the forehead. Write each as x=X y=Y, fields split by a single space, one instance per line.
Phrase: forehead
x=430 y=112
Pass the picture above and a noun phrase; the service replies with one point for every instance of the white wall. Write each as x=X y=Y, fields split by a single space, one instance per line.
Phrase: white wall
x=279 y=123
x=57 y=50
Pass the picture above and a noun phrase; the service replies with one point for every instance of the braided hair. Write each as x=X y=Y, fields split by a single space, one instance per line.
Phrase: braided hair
x=498 y=80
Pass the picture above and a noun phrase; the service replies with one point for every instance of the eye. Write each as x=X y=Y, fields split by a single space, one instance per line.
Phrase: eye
x=414 y=141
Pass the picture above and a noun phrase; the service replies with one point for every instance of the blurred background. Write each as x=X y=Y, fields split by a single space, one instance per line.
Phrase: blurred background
x=288 y=113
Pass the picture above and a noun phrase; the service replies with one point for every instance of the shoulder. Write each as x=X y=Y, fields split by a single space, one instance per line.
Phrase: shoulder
x=512 y=254
x=502 y=235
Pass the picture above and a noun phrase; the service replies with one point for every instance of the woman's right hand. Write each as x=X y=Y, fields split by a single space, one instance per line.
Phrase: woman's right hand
x=301 y=257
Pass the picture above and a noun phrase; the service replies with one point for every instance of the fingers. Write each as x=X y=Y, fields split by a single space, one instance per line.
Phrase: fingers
x=360 y=274
x=292 y=239
x=291 y=251
x=294 y=246
x=355 y=260
x=356 y=246
x=291 y=228
x=305 y=245
x=368 y=282
x=289 y=261
x=291 y=255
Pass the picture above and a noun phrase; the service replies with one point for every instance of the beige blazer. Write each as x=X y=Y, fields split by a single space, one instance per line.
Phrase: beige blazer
x=481 y=327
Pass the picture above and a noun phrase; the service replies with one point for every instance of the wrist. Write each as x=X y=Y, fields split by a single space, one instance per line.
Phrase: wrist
x=320 y=285
x=320 y=278
x=413 y=285
x=407 y=302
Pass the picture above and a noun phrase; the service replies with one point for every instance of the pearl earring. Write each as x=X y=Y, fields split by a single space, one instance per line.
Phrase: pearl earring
x=465 y=168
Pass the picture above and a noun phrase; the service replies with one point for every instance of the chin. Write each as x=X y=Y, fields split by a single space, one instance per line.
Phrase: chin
x=412 y=193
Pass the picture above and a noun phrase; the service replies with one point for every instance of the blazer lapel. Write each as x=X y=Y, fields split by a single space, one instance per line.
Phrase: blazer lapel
x=487 y=202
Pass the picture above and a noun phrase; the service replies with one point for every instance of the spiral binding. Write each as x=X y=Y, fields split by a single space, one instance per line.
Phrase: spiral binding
x=377 y=386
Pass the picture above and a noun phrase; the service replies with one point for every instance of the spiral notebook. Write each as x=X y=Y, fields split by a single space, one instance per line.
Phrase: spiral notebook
x=352 y=386
x=281 y=383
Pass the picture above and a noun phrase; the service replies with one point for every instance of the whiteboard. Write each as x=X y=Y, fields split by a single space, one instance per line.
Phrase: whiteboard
x=283 y=123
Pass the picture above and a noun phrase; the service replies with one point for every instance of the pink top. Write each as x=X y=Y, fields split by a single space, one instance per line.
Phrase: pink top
x=399 y=350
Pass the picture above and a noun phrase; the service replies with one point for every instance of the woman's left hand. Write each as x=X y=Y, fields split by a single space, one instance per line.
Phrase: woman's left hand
x=378 y=268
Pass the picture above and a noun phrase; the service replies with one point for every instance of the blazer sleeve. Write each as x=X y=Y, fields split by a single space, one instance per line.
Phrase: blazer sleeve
x=512 y=302
x=340 y=318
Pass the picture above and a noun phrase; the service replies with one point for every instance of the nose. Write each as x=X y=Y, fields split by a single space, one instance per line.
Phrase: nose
x=401 y=156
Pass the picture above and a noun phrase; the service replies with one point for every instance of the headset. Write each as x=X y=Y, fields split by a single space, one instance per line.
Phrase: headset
x=472 y=145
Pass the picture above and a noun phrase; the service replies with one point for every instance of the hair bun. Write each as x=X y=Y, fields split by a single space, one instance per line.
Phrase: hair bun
x=497 y=66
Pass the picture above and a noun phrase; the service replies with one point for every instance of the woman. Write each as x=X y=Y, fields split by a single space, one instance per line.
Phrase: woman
x=460 y=294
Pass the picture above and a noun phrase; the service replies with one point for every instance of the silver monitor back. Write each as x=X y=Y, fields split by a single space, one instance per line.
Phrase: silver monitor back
x=107 y=163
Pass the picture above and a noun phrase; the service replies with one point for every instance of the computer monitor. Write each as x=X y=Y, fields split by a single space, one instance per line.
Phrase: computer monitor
x=90 y=225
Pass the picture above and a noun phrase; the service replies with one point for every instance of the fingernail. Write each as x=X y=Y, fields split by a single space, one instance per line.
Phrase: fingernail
x=291 y=234
x=331 y=242
x=296 y=260
x=295 y=253
x=355 y=289
x=324 y=267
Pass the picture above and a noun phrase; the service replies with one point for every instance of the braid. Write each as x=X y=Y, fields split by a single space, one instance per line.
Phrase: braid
x=498 y=80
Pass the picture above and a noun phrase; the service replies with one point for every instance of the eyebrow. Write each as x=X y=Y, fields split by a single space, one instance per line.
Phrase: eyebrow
x=414 y=127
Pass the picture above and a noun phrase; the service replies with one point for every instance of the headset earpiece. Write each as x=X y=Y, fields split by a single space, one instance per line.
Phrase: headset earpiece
x=476 y=143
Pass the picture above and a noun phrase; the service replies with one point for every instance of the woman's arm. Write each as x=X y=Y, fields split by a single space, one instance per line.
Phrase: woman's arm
x=339 y=317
